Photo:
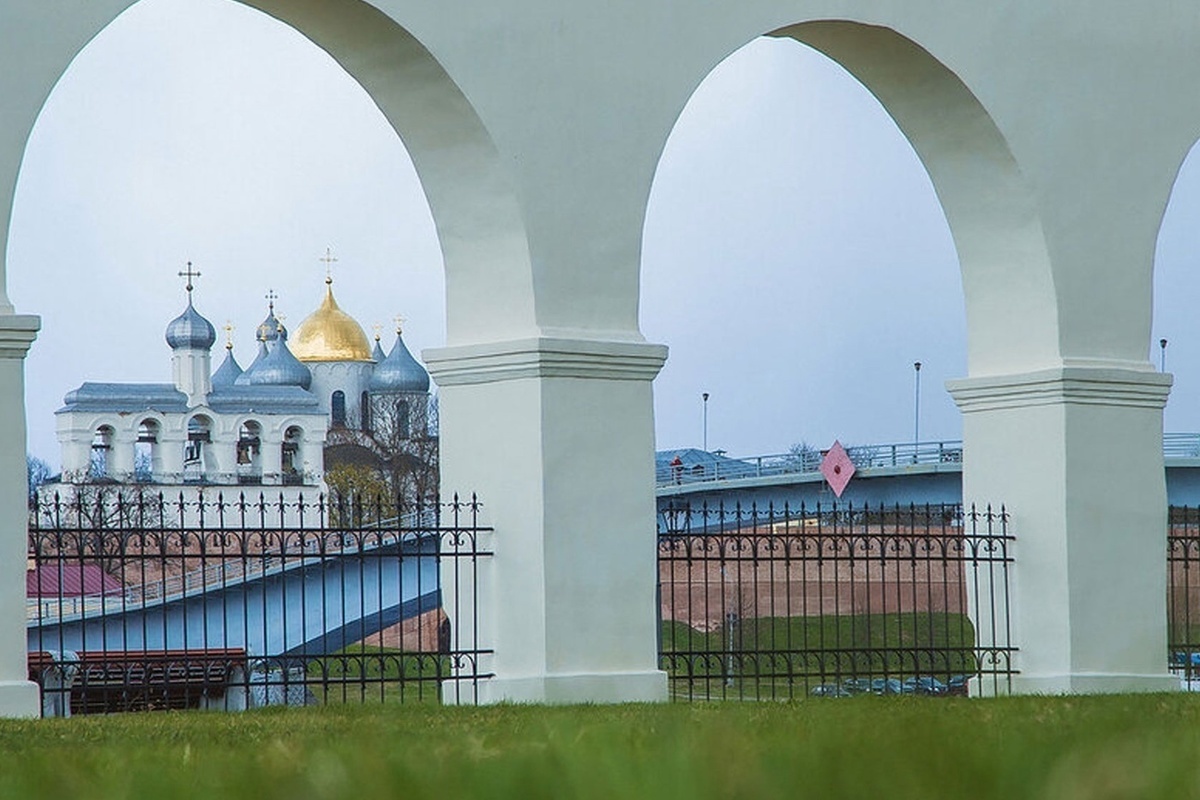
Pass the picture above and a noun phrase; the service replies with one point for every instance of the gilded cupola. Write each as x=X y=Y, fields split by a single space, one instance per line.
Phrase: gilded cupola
x=330 y=334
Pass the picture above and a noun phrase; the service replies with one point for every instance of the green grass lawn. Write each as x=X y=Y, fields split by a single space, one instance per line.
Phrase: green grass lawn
x=886 y=747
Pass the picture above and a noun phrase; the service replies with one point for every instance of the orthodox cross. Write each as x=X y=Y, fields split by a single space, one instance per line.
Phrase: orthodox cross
x=228 y=335
x=378 y=328
x=189 y=274
x=329 y=260
x=399 y=324
x=271 y=298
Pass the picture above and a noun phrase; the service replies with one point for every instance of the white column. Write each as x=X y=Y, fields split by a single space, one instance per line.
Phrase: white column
x=170 y=447
x=1075 y=454
x=18 y=696
x=272 y=457
x=556 y=436
x=121 y=455
x=222 y=460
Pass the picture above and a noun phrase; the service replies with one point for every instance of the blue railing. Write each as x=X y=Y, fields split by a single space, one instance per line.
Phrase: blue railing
x=808 y=460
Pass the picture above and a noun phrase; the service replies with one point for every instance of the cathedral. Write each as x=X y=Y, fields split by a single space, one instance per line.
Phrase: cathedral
x=266 y=425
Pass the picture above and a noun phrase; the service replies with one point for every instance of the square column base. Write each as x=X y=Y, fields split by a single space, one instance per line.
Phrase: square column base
x=20 y=699
x=601 y=687
x=1094 y=683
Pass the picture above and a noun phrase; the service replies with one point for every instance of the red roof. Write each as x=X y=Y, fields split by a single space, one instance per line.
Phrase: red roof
x=69 y=580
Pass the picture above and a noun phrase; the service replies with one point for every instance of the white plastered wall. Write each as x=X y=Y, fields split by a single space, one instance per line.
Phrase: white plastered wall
x=1052 y=133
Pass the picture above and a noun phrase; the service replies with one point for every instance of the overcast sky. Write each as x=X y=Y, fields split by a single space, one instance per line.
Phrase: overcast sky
x=796 y=259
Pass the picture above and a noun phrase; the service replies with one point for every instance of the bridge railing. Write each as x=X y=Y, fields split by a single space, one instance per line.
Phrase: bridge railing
x=1181 y=445
x=868 y=456
x=328 y=599
x=808 y=460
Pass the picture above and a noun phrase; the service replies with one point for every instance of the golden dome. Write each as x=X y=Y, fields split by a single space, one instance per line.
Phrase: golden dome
x=329 y=334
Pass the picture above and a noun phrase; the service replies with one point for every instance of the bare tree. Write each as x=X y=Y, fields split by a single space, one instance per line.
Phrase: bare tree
x=405 y=430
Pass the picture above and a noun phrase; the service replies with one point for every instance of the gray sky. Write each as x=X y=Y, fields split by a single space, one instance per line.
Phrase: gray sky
x=796 y=259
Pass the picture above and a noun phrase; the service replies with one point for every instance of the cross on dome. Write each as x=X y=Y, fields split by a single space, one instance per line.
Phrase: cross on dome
x=271 y=298
x=329 y=259
x=189 y=273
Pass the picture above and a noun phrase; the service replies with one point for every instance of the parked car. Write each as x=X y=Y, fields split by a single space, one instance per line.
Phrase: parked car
x=957 y=685
x=887 y=686
x=923 y=684
x=857 y=685
x=829 y=690
x=1181 y=659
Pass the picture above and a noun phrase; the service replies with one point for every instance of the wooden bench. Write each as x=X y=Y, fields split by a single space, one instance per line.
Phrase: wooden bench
x=109 y=681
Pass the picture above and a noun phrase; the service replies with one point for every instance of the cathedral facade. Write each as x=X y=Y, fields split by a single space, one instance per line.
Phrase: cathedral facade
x=265 y=425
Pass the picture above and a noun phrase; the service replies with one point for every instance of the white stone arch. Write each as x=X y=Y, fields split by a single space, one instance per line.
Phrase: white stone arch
x=992 y=213
x=470 y=192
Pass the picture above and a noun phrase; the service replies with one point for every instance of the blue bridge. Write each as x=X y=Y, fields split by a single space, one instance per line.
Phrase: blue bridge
x=269 y=606
x=924 y=472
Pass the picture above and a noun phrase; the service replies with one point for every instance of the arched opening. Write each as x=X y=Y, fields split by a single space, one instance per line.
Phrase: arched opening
x=475 y=231
x=249 y=453
x=797 y=262
x=849 y=245
x=1175 y=338
x=292 y=467
x=195 y=449
x=364 y=411
x=101 y=459
x=823 y=271
x=147 y=459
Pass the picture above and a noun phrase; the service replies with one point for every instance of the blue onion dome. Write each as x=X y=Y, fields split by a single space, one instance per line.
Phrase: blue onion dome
x=399 y=372
x=229 y=371
x=190 y=331
x=377 y=352
x=255 y=365
x=279 y=368
x=271 y=330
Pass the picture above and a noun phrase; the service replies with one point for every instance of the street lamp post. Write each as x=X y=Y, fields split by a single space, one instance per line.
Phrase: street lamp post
x=705 y=397
x=916 y=406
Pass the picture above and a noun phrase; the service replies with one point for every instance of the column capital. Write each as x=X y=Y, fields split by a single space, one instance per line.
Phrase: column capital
x=17 y=332
x=1067 y=385
x=543 y=357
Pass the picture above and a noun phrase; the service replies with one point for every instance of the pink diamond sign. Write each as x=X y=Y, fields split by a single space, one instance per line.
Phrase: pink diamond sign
x=837 y=468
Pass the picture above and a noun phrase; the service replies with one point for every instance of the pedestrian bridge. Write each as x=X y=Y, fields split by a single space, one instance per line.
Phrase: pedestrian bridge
x=924 y=472
x=272 y=605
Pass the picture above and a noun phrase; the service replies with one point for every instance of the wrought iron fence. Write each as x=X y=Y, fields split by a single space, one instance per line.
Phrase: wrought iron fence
x=834 y=600
x=140 y=601
x=1183 y=593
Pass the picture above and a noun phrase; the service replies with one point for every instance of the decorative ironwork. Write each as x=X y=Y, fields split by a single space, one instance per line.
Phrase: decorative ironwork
x=1183 y=594
x=834 y=600
x=141 y=601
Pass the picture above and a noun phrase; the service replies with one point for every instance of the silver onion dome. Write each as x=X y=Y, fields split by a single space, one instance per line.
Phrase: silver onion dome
x=399 y=372
x=228 y=373
x=244 y=378
x=277 y=368
x=190 y=331
x=271 y=329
